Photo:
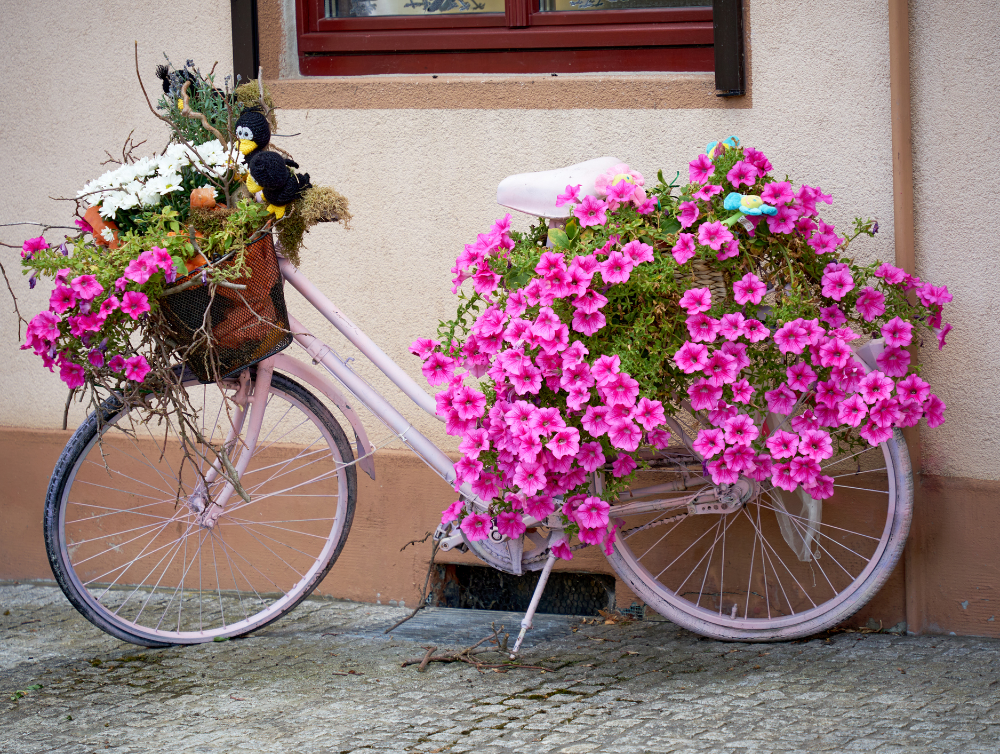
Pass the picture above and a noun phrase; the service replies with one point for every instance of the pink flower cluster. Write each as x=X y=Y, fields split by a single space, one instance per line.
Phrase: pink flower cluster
x=77 y=310
x=840 y=393
x=542 y=452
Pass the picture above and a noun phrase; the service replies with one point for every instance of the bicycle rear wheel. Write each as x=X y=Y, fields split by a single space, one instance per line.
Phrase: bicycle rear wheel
x=777 y=566
x=129 y=551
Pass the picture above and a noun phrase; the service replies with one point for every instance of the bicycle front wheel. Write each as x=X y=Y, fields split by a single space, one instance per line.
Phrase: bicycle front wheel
x=131 y=552
x=771 y=564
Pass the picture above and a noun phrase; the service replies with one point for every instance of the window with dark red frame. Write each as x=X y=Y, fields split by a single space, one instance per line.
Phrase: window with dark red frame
x=360 y=37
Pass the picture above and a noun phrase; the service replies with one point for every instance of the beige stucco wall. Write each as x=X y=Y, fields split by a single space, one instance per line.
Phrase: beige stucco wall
x=956 y=150
x=422 y=182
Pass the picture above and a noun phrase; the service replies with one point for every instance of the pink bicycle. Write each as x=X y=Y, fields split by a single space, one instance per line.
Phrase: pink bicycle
x=159 y=557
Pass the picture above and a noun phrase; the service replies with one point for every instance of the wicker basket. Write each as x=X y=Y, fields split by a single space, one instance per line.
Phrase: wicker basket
x=247 y=325
x=704 y=276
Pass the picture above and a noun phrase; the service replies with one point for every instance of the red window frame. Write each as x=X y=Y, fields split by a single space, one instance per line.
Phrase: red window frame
x=521 y=40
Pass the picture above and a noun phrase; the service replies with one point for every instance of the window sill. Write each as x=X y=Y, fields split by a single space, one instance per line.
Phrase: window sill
x=608 y=91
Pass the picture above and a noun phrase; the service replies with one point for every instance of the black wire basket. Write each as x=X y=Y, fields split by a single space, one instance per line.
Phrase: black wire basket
x=246 y=325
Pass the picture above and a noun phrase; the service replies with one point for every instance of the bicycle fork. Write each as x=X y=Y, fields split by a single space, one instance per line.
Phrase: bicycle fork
x=207 y=509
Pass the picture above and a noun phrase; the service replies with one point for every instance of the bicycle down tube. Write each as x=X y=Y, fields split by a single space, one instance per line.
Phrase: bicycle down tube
x=321 y=353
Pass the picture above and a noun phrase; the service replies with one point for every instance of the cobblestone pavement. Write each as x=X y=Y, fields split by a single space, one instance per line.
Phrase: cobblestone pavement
x=328 y=679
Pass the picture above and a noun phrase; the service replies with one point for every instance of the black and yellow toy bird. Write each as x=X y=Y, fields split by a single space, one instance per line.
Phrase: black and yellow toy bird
x=269 y=172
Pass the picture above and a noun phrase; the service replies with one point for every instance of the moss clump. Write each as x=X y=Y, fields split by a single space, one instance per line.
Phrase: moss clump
x=318 y=204
x=209 y=221
x=248 y=95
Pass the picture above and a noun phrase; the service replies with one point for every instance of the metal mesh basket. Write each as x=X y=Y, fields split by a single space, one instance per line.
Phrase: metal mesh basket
x=246 y=326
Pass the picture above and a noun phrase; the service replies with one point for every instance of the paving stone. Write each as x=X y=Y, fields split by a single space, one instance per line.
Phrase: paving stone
x=641 y=687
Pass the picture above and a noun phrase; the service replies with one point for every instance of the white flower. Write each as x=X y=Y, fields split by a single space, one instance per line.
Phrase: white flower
x=108 y=235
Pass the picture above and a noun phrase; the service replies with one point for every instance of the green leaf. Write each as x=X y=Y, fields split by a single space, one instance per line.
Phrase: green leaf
x=572 y=228
x=179 y=267
x=671 y=226
x=221 y=638
x=559 y=238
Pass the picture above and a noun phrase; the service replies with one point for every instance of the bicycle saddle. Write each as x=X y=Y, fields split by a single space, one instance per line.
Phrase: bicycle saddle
x=535 y=193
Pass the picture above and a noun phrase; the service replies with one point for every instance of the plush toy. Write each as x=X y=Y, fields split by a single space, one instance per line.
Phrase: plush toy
x=276 y=177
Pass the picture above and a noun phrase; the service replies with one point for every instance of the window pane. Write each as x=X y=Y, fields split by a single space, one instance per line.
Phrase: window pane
x=549 y=5
x=358 y=8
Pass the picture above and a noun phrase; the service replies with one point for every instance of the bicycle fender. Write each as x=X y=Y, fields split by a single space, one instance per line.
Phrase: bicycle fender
x=296 y=368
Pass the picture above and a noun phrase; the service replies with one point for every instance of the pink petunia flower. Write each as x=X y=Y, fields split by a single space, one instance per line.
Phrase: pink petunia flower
x=691 y=357
x=729 y=249
x=62 y=298
x=621 y=390
x=684 y=249
x=800 y=376
x=930 y=295
x=779 y=192
x=688 y=214
x=593 y=512
x=731 y=325
x=565 y=442
x=702 y=327
x=605 y=368
x=31 y=245
x=816 y=444
x=595 y=420
x=754 y=330
x=913 y=389
x=837 y=284
x=135 y=304
x=625 y=436
x=885 y=413
x=116 y=363
x=783 y=444
x=700 y=169
x=742 y=391
x=704 y=395
x=550 y=263
x=658 y=438
x=804 y=470
x=510 y=524
x=781 y=476
x=870 y=303
x=934 y=411
x=572 y=195
x=72 y=374
x=740 y=430
x=832 y=315
x=696 y=300
x=136 y=368
x=437 y=369
x=561 y=550
x=897 y=332
x=749 y=289
x=617 y=268
x=586 y=323
x=895 y=362
x=714 y=235
x=821 y=488
x=791 y=338
x=709 y=442
x=721 y=472
x=875 y=434
x=637 y=251
x=720 y=369
x=649 y=413
x=889 y=273
x=875 y=386
x=781 y=400
x=452 y=512
x=742 y=173
x=476 y=526
x=590 y=212
x=739 y=458
x=529 y=477
x=783 y=221
x=86 y=287
x=706 y=192
x=421 y=347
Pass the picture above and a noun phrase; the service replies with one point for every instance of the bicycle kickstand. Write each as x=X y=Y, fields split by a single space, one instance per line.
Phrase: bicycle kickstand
x=533 y=605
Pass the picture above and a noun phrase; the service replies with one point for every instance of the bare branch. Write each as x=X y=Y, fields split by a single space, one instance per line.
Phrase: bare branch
x=151 y=108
